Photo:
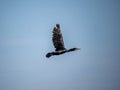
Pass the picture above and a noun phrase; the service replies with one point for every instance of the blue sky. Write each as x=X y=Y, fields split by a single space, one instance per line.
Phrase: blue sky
x=26 y=36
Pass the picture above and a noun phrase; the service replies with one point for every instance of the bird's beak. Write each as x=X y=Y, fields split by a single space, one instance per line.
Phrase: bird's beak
x=77 y=48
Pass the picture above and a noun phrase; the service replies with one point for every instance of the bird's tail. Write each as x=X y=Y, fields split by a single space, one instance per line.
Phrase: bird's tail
x=49 y=55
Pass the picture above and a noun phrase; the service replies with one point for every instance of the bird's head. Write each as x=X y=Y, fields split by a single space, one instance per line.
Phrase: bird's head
x=76 y=48
x=73 y=49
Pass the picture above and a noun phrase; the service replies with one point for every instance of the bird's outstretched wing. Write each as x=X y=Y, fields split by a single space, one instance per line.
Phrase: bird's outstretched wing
x=57 y=38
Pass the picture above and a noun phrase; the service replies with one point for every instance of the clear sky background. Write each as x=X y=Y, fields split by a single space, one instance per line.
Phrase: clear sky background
x=26 y=36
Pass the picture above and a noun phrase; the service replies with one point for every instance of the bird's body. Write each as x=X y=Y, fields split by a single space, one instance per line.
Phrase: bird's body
x=58 y=43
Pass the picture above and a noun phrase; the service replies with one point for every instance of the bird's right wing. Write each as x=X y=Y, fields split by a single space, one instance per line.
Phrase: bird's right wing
x=58 y=39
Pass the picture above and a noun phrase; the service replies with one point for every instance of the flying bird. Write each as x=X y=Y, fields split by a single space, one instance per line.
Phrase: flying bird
x=59 y=43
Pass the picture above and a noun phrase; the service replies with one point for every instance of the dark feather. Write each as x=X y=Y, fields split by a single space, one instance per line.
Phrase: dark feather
x=58 y=43
x=57 y=38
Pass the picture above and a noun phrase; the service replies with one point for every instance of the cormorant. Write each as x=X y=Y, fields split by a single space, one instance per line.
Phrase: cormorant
x=59 y=43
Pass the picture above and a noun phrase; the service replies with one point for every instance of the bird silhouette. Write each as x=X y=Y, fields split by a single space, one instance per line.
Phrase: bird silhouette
x=59 y=43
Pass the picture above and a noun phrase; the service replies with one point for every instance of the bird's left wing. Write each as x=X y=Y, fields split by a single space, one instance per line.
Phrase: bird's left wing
x=58 y=39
